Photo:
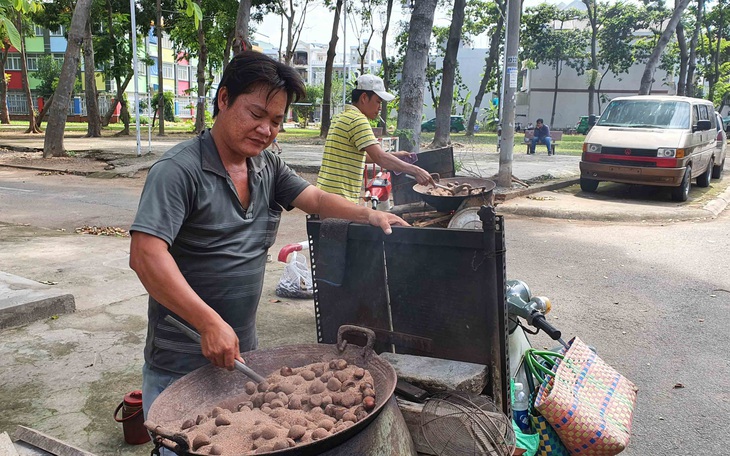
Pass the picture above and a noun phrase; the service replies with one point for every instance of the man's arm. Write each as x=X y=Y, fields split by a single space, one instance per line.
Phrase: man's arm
x=393 y=163
x=150 y=258
x=315 y=201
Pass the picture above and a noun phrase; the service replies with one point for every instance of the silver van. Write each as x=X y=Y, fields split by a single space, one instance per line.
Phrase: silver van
x=652 y=140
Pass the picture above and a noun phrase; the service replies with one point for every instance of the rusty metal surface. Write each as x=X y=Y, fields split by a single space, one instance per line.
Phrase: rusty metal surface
x=208 y=387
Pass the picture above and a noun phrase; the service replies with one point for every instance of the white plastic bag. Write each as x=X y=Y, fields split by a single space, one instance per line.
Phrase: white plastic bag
x=296 y=282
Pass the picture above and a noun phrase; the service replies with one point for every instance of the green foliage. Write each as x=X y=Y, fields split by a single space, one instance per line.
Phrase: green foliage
x=48 y=72
x=169 y=104
x=544 y=44
x=309 y=105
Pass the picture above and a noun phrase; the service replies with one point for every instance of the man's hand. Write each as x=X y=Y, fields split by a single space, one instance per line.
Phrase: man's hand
x=219 y=343
x=385 y=220
x=422 y=176
x=402 y=154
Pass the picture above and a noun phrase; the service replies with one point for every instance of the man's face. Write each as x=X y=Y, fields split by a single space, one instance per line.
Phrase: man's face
x=539 y=124
x=252 y=122
x=370 y=105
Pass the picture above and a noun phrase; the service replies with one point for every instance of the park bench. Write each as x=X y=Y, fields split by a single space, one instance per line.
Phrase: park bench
x=555 y=136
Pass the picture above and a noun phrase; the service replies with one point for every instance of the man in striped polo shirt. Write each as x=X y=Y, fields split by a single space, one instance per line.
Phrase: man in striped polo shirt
x=351 y=143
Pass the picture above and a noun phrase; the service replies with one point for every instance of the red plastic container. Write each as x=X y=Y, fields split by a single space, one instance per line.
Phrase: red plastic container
x=132 y=419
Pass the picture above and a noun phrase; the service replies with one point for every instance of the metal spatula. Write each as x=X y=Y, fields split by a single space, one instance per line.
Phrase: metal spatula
x=192 y=334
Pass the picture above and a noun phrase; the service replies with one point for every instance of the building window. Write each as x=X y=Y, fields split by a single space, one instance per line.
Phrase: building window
x=58 y=59
x=32 y=63
x=166 y=42
x=38 y=30
x=141 y=67
x=17 y=103
x=168 y=72
x=182 y=73
x=60 y=32
x=13 y=63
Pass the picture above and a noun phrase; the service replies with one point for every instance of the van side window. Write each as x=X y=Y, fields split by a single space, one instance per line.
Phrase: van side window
x=695 y=114
x=704 y=115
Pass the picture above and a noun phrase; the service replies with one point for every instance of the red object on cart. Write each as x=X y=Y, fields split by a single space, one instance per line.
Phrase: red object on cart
x=377 y=189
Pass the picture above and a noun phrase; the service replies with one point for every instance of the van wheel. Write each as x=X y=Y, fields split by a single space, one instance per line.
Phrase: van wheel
x=704 y=180
x=717 y=170
x=682 y=192
x=588 y=185
x=454 y=130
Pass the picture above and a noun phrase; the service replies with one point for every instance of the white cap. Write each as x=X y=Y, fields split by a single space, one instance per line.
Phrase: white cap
x=374 y=84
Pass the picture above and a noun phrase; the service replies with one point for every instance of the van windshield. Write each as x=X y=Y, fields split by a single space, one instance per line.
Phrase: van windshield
x=646 y=114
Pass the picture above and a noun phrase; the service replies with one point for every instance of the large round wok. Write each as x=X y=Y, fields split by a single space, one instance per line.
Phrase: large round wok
x=483 y=190
x=205 y=388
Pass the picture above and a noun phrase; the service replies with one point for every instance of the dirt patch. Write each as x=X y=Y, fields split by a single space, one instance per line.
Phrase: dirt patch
x=80 y=163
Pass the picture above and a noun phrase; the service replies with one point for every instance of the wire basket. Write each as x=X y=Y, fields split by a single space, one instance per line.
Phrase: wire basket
x=461 y=424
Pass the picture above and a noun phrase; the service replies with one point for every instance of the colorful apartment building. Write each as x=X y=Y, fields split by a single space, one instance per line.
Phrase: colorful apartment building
x=178 y=75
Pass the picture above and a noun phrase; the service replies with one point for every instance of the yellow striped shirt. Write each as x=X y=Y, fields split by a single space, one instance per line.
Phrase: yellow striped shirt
x=343 y=161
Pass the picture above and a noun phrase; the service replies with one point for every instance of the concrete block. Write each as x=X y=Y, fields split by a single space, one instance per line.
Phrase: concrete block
x=437 y=375
x=6 y=445
x=24 y=301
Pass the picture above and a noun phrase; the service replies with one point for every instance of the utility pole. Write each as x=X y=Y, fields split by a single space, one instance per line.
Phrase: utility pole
x=160 y=98
x=133 y=17
x=512 y=42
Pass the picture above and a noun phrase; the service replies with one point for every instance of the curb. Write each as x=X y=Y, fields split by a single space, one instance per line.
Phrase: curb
x=512 y=194
x=710 y=210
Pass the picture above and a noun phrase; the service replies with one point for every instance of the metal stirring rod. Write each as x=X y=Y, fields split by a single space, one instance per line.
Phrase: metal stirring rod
x=192 y=334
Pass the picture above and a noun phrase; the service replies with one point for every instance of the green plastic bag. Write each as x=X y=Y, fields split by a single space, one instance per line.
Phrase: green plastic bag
x=527 y=442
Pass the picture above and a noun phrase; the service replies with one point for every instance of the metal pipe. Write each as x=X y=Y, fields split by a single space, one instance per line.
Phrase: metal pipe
x=132 y=15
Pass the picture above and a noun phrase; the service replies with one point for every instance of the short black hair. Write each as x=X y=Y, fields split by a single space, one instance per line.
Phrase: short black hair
x=357 y=93
x=248 y=70
x=539 y=120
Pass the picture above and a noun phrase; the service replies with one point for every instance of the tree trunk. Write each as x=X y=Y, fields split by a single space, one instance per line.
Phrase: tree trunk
x=692 y=64
x=414 y=74
x=592 y=10
x=442 y=137
x=243 y=17
x=558 y=70
x=53 y=145
x=4 y=114
x=42 y=115
x=329 y=64
x=385 y=65
x=488 y=69
x=92 y=103
x=32 y=128
x=118 y=98
x=202 y=63
x=715 y=74
x=598 y=89
x=161 y=97
x=648 y=77
x=683 y=59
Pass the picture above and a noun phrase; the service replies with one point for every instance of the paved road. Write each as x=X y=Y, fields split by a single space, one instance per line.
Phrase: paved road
x=651 y=296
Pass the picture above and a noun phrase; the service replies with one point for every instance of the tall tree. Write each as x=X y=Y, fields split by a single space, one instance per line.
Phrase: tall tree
x=4 y=113
x=116 y=44
x=495 y=14
x=386 y=64
x=592 y=12
x=328 y=66
x=241 y=37
x=616 y=51
x=555 y=45
x=414 y=74
x=443 y=111
x=294 y=25
x=367 y=27
x=647 y=79
x=53 y=144
x=689 y=86
x=32 y=127
x=93 y=119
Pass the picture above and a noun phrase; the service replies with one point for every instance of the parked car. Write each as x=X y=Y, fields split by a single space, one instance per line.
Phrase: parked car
x=457 y=124
x=585 y=123
x=720 y=146
x=652 y=140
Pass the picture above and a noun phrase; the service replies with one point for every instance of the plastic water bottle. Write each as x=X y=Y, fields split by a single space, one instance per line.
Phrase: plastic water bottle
x=520 y=408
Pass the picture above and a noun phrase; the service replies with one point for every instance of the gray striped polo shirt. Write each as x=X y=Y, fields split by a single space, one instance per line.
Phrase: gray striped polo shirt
x=190 y=202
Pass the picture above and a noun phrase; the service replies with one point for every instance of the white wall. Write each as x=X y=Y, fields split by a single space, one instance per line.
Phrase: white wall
x=572 y=100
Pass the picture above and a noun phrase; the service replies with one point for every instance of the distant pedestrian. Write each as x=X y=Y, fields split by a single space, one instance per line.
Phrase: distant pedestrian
x=275 y=145
x=542 y=135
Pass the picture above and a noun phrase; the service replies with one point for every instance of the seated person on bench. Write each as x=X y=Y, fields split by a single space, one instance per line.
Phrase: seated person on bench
x=542 y=135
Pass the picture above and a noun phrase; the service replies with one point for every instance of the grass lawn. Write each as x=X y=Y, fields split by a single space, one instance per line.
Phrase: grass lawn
x=569 y=145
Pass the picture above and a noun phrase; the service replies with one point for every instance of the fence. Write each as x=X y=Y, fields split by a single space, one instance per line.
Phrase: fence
x=184 y=107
